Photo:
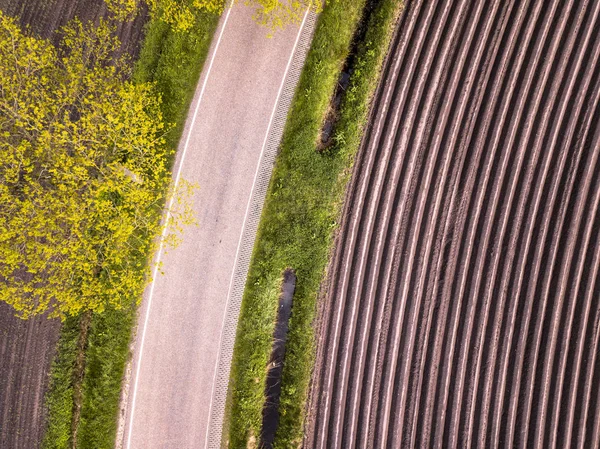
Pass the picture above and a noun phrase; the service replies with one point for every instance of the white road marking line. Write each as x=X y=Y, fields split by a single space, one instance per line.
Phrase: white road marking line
x=164 y=232
x=246 y=217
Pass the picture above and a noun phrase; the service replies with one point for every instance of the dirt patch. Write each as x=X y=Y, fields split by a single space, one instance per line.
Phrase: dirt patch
x=44 y=17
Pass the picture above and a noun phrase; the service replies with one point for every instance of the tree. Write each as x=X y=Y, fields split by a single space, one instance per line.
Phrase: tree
x=123 y=10
x=82 y=171
x=180 y=14
x=276 y=14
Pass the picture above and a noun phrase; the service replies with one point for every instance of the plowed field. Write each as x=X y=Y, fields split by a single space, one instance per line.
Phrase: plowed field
x=26 y=351
x=463 y=303
x=45 y=17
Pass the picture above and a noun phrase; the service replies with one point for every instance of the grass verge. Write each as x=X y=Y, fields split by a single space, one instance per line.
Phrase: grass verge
x=173 y=61
x=300 y=215
x=59 y=399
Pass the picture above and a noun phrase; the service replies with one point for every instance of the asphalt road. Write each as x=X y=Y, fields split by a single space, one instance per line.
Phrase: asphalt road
x=176 y=392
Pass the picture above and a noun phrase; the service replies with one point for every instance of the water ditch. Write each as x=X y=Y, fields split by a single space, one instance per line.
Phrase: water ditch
x=275 y=366
x=328 y=130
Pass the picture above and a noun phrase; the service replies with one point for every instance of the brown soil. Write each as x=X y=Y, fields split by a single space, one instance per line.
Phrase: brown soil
x=463 y=305
x=27 y=347
x=26 y=351
x=46 y=16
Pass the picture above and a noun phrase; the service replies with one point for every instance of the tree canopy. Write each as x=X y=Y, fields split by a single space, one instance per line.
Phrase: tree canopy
x=180 y=14
x=82 y=165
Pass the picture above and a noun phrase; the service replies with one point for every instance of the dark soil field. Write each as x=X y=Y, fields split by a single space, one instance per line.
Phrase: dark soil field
x=27 y=347
x=45 y=17
x=463 y=304
x=26 y=351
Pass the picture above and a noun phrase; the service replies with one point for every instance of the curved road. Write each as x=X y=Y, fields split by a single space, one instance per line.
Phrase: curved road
x=178 y=381
x=463 y=308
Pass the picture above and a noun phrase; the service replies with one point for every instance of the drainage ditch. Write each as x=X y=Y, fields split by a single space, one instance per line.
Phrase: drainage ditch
x=275 y=366
x=328 y=134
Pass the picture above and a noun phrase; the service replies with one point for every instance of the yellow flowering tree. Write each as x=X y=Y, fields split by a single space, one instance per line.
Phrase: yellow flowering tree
x=276 y=14
x=81 y=161
x=122 y=9
x=180 y=14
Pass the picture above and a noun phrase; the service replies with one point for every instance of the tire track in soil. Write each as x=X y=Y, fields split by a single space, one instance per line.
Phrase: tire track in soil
x=463 y=305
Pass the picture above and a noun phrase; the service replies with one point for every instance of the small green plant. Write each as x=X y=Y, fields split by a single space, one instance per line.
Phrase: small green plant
x=59 y=401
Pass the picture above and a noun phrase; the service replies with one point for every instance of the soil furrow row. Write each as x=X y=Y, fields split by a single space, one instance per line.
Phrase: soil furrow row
x=463 y=305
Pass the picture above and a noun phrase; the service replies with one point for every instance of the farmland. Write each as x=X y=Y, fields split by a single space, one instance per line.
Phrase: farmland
x=45 y=17
x=26 y=351
x=462 y=306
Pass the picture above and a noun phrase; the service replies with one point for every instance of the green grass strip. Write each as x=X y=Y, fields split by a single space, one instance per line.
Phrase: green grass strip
x=301 y=213
x=105 y=358
x=59 y=399
x=173 y=61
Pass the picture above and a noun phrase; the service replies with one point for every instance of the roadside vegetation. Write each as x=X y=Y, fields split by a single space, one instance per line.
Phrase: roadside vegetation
x=300 y=216
x=172 y=62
